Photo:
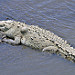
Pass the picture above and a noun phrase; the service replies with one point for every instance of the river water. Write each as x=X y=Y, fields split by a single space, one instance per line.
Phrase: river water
x=57 y=16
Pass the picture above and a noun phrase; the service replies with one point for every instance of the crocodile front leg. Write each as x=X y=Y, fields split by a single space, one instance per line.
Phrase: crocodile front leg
x=23 y=40
x=52 y=49
x=16 y=40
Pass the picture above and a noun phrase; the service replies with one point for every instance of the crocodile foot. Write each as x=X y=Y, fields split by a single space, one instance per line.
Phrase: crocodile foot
x=52 y=49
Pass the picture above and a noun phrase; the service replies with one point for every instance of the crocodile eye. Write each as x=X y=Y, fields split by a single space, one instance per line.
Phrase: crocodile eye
x=18 y=26
x=24 y=29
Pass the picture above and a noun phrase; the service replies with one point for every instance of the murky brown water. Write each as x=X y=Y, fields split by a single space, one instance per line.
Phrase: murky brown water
x=57 y=16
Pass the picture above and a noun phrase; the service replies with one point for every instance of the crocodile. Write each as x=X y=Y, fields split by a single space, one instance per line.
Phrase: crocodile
x=35 y=37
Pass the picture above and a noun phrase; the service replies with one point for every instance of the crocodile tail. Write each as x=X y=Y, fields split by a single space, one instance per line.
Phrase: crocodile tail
x=63 y=44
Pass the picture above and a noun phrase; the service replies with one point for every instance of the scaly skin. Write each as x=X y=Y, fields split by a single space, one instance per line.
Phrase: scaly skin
x=35 y=37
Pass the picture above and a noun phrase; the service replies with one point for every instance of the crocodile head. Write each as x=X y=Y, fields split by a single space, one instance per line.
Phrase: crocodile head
x=5 y=25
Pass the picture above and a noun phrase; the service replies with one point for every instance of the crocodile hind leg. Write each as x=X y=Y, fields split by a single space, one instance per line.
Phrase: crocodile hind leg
x=16 y=40
x=52 y=49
